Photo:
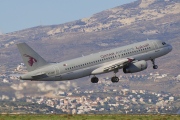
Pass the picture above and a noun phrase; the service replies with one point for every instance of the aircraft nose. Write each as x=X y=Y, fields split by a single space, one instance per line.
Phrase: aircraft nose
x=170 y=48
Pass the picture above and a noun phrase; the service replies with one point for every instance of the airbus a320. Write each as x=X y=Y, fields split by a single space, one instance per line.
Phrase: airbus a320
x=131 y=59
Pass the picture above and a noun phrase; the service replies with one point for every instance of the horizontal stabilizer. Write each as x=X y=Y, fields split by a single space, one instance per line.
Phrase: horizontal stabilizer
x=39 y=76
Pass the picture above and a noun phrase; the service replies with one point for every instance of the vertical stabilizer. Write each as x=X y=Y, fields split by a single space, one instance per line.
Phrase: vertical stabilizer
x=31 y=59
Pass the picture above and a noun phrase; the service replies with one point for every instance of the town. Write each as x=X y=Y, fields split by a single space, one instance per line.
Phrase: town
x=101 y=98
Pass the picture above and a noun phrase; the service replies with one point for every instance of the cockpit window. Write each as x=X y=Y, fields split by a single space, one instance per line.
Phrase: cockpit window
x=163 y=43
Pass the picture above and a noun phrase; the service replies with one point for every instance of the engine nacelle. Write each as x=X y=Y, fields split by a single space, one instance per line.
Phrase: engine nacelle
x=135 y=67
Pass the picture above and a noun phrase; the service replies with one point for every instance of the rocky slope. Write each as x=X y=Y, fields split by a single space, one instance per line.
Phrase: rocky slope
x=137 y=21
x=130 y=23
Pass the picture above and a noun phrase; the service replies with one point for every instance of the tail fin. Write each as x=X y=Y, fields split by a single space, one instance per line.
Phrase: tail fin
x=31 y=59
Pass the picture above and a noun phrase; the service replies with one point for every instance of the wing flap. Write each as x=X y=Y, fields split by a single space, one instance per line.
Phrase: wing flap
x=112 y=66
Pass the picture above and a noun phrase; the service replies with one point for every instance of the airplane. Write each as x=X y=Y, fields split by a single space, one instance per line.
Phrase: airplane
x=131 y=59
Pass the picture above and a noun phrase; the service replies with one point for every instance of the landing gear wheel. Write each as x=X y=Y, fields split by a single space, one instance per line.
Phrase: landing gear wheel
x=94 y=80
x=155 y=67
x=115 y=79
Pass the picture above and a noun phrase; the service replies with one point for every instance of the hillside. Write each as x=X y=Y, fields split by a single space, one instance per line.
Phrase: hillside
x=130 y=23
x=137 y=21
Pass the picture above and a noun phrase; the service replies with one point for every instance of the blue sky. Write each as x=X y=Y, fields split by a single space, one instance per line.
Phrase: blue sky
x=21 y=14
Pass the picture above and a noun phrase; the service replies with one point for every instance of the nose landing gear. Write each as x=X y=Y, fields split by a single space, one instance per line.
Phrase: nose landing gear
x=154 y=66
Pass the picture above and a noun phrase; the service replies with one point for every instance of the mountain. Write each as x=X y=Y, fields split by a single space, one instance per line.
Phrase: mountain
x=130 y=23
x=122 y=25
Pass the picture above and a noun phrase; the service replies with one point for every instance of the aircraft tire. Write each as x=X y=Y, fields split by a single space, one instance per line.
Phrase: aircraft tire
x=115 y=79
x=94 y=80
x=155 y=67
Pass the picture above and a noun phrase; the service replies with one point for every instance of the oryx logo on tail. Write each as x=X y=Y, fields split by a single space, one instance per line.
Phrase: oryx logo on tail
x=31 y=60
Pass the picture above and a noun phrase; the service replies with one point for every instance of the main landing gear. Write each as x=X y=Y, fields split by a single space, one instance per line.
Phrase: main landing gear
x=94 y=79
x=154 y=66
x=113 y=79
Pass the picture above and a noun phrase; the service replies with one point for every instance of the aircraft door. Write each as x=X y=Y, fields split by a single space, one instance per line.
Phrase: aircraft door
x=155 y=45
x=56 y=70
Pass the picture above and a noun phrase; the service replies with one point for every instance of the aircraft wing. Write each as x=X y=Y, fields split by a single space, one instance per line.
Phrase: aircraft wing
x=112 y=66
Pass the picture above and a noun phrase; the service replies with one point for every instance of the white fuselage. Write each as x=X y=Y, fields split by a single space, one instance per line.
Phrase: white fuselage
x=84 y=66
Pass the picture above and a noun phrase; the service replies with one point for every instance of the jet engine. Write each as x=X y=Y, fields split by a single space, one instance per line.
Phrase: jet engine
x=135 y=67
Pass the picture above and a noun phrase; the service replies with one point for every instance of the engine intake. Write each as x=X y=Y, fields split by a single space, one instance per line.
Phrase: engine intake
x=135 y=67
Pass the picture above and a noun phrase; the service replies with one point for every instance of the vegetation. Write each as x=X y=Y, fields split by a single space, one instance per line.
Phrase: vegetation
x=87 y=117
